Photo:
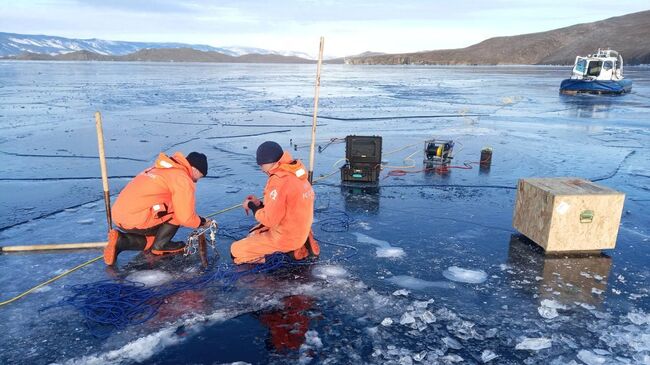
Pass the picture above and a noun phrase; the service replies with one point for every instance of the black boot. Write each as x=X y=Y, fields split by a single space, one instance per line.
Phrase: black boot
x=163 y=244
x=120 y=241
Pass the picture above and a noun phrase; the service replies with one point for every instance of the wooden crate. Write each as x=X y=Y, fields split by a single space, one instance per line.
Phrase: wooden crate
x=568 y=214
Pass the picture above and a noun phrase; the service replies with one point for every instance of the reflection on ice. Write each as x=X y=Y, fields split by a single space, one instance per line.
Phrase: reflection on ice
x=567 y=279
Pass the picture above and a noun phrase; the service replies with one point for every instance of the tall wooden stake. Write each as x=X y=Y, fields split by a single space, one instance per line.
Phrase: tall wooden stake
x=315 y=120
x=102 y=163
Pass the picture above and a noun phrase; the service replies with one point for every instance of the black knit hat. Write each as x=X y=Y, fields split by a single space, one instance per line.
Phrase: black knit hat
x=269 y=152
x=199 y=161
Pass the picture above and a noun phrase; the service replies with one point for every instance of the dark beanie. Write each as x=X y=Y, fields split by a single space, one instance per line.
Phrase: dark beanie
x=199 y=161
x=269 y=152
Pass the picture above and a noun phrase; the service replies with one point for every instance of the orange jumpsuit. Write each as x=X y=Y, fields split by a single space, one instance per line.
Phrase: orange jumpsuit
x=164 y=193
x=286 y=217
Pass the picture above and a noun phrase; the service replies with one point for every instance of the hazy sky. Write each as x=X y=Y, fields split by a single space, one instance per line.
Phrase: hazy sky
x=349 y=26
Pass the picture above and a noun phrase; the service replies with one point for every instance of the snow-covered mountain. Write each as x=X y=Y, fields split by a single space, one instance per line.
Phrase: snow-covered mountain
x=12 y=44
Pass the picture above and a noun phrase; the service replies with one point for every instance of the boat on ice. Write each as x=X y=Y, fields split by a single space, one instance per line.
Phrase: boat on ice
x=599 y=73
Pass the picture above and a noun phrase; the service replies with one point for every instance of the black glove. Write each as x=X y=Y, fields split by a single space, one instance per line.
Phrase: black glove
x=254 y=207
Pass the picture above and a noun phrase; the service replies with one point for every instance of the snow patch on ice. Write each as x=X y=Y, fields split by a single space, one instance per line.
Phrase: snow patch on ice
x=455 y=273
x=136 y=351
x=86 y=221
x=394 y=252
x=145 y=347
x=412 y=283
x=329 y=271
x=384 y=249
x=150 y=277
x=534 y=344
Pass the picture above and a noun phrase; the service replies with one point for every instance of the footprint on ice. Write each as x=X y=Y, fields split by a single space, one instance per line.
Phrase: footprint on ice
x=150 y=277
x=455 y=273
x=412 y=283
x=329 y=271
x=384 y=249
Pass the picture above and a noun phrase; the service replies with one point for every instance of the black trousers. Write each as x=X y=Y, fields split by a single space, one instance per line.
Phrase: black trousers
x=135 y=240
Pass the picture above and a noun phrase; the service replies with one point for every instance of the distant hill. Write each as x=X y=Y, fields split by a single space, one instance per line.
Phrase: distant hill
x=163 y=55
x=628 y=34
x=13 y=44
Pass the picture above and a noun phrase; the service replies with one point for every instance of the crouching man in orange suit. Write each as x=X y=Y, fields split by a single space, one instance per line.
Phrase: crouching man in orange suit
x=153 y=205
x=286 y=215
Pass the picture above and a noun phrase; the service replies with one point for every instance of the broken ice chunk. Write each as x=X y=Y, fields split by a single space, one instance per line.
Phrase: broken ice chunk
x=587 y=306
x=491 y=333
x=405 y=360
x=534 y=344
x=639 y=318
x=407 y=318
x=420 y=356
x=549 y=308
x=591 y=358
x=452 y=343
x=488 y=355
x=422 y=304
x=553 y=304
x=428 y=317
x=402 y=292
x=453 y=358
x=546 y=312
x=421 y=326
x=387 y=322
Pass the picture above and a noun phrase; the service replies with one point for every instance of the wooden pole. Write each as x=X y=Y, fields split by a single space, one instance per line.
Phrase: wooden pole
x=315 y=120
x=102 y=163
x=55 y=246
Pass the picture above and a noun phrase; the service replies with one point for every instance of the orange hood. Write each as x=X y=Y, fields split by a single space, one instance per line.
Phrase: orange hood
x=288 y=166
x=177 y=161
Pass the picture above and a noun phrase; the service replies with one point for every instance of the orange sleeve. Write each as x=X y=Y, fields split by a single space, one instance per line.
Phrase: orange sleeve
x=183 y=202
x=275 y=204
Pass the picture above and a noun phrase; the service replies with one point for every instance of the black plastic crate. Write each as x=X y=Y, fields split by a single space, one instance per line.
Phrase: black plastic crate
x=363 y=149
x=360 y=172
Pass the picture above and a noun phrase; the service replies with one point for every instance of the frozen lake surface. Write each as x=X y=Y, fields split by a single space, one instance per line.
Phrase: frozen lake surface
x=426 y=269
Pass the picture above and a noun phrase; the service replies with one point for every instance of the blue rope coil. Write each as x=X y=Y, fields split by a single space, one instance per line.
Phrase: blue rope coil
x=115 y=305
x=109 y=305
